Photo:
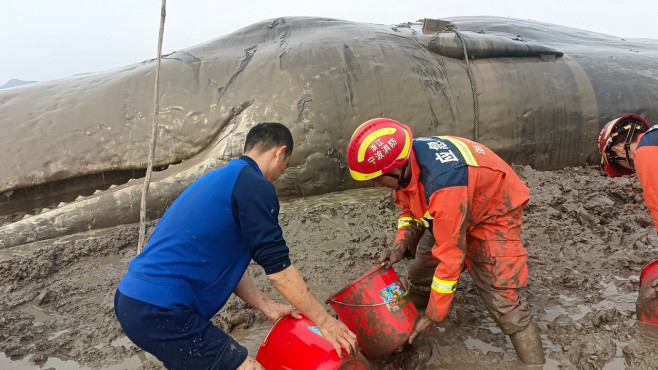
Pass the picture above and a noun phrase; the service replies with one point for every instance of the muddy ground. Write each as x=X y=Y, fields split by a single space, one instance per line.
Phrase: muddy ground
x=588 y=237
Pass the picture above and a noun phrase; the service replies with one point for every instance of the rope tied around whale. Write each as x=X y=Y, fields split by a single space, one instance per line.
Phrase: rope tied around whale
x=476 y=106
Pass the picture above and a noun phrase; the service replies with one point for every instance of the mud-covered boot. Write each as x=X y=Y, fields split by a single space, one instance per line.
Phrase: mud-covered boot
x=527 y=344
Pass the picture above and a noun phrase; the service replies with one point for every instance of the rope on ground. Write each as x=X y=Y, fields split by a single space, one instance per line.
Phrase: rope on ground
x=476 y=106
x=154 y=127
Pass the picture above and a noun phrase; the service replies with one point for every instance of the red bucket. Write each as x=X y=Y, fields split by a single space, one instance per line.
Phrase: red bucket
x=297 y=344
x=647 y=299
x=376 y=309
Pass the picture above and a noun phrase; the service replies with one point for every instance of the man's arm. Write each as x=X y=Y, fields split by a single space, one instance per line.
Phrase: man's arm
x=645 y=160
x=450 y=248
x=409 y=232
x=249 y=292
x=293 y=288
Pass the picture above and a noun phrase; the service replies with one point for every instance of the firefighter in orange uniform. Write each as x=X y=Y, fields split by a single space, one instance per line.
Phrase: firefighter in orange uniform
x=628 y=145
x=471 y=203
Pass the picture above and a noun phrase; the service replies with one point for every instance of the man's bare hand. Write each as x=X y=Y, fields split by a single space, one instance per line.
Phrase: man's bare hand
x=278 y=310
x=339 y=335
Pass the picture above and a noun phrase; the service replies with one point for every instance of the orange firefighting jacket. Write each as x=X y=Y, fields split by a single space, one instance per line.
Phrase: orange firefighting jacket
x=456 y=183
x=645 y=159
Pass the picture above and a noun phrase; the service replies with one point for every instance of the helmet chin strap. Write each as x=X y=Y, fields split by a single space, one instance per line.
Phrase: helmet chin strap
x=627 y=145
x=403 y=181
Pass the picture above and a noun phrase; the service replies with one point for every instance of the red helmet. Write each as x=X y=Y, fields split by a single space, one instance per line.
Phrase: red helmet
x=627 y=124
x=378 y=146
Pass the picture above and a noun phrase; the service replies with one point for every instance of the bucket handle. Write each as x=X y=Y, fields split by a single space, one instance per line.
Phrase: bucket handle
x=267 y=337
x=404 y=294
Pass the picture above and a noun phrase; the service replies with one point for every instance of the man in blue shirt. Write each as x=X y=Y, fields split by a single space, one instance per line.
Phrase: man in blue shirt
x=198 y=254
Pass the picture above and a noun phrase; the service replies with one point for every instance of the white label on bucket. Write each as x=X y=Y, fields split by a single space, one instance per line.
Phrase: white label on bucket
x=315 y=330
x=393 y=296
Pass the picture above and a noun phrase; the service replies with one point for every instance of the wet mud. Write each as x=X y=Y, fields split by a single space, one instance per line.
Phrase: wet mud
x=588 y=237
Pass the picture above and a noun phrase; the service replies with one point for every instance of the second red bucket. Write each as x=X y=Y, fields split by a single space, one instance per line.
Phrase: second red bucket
x=647 y=300
x=376 y=309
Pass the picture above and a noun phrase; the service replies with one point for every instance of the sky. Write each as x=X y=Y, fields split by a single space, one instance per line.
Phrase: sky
x=45 y=40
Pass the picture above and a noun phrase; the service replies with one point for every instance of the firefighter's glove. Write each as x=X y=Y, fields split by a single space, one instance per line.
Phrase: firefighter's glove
x=423 y=326
x=406 y=246
x=394 y=255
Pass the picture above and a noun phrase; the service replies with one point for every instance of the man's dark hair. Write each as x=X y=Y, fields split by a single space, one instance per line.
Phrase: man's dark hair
x=267 y=135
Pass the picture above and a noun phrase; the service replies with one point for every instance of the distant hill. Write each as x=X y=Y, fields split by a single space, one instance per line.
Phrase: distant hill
x=14 y=82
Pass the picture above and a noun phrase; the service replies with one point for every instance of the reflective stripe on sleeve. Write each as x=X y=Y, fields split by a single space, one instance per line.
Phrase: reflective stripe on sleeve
x=406 y=221
x=443 y=286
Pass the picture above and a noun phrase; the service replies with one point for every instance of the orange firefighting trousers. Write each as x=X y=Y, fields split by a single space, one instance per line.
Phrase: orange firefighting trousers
x=498 y=278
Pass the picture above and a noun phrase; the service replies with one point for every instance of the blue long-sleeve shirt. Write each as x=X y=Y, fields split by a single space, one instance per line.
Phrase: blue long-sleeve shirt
x=204 y=242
